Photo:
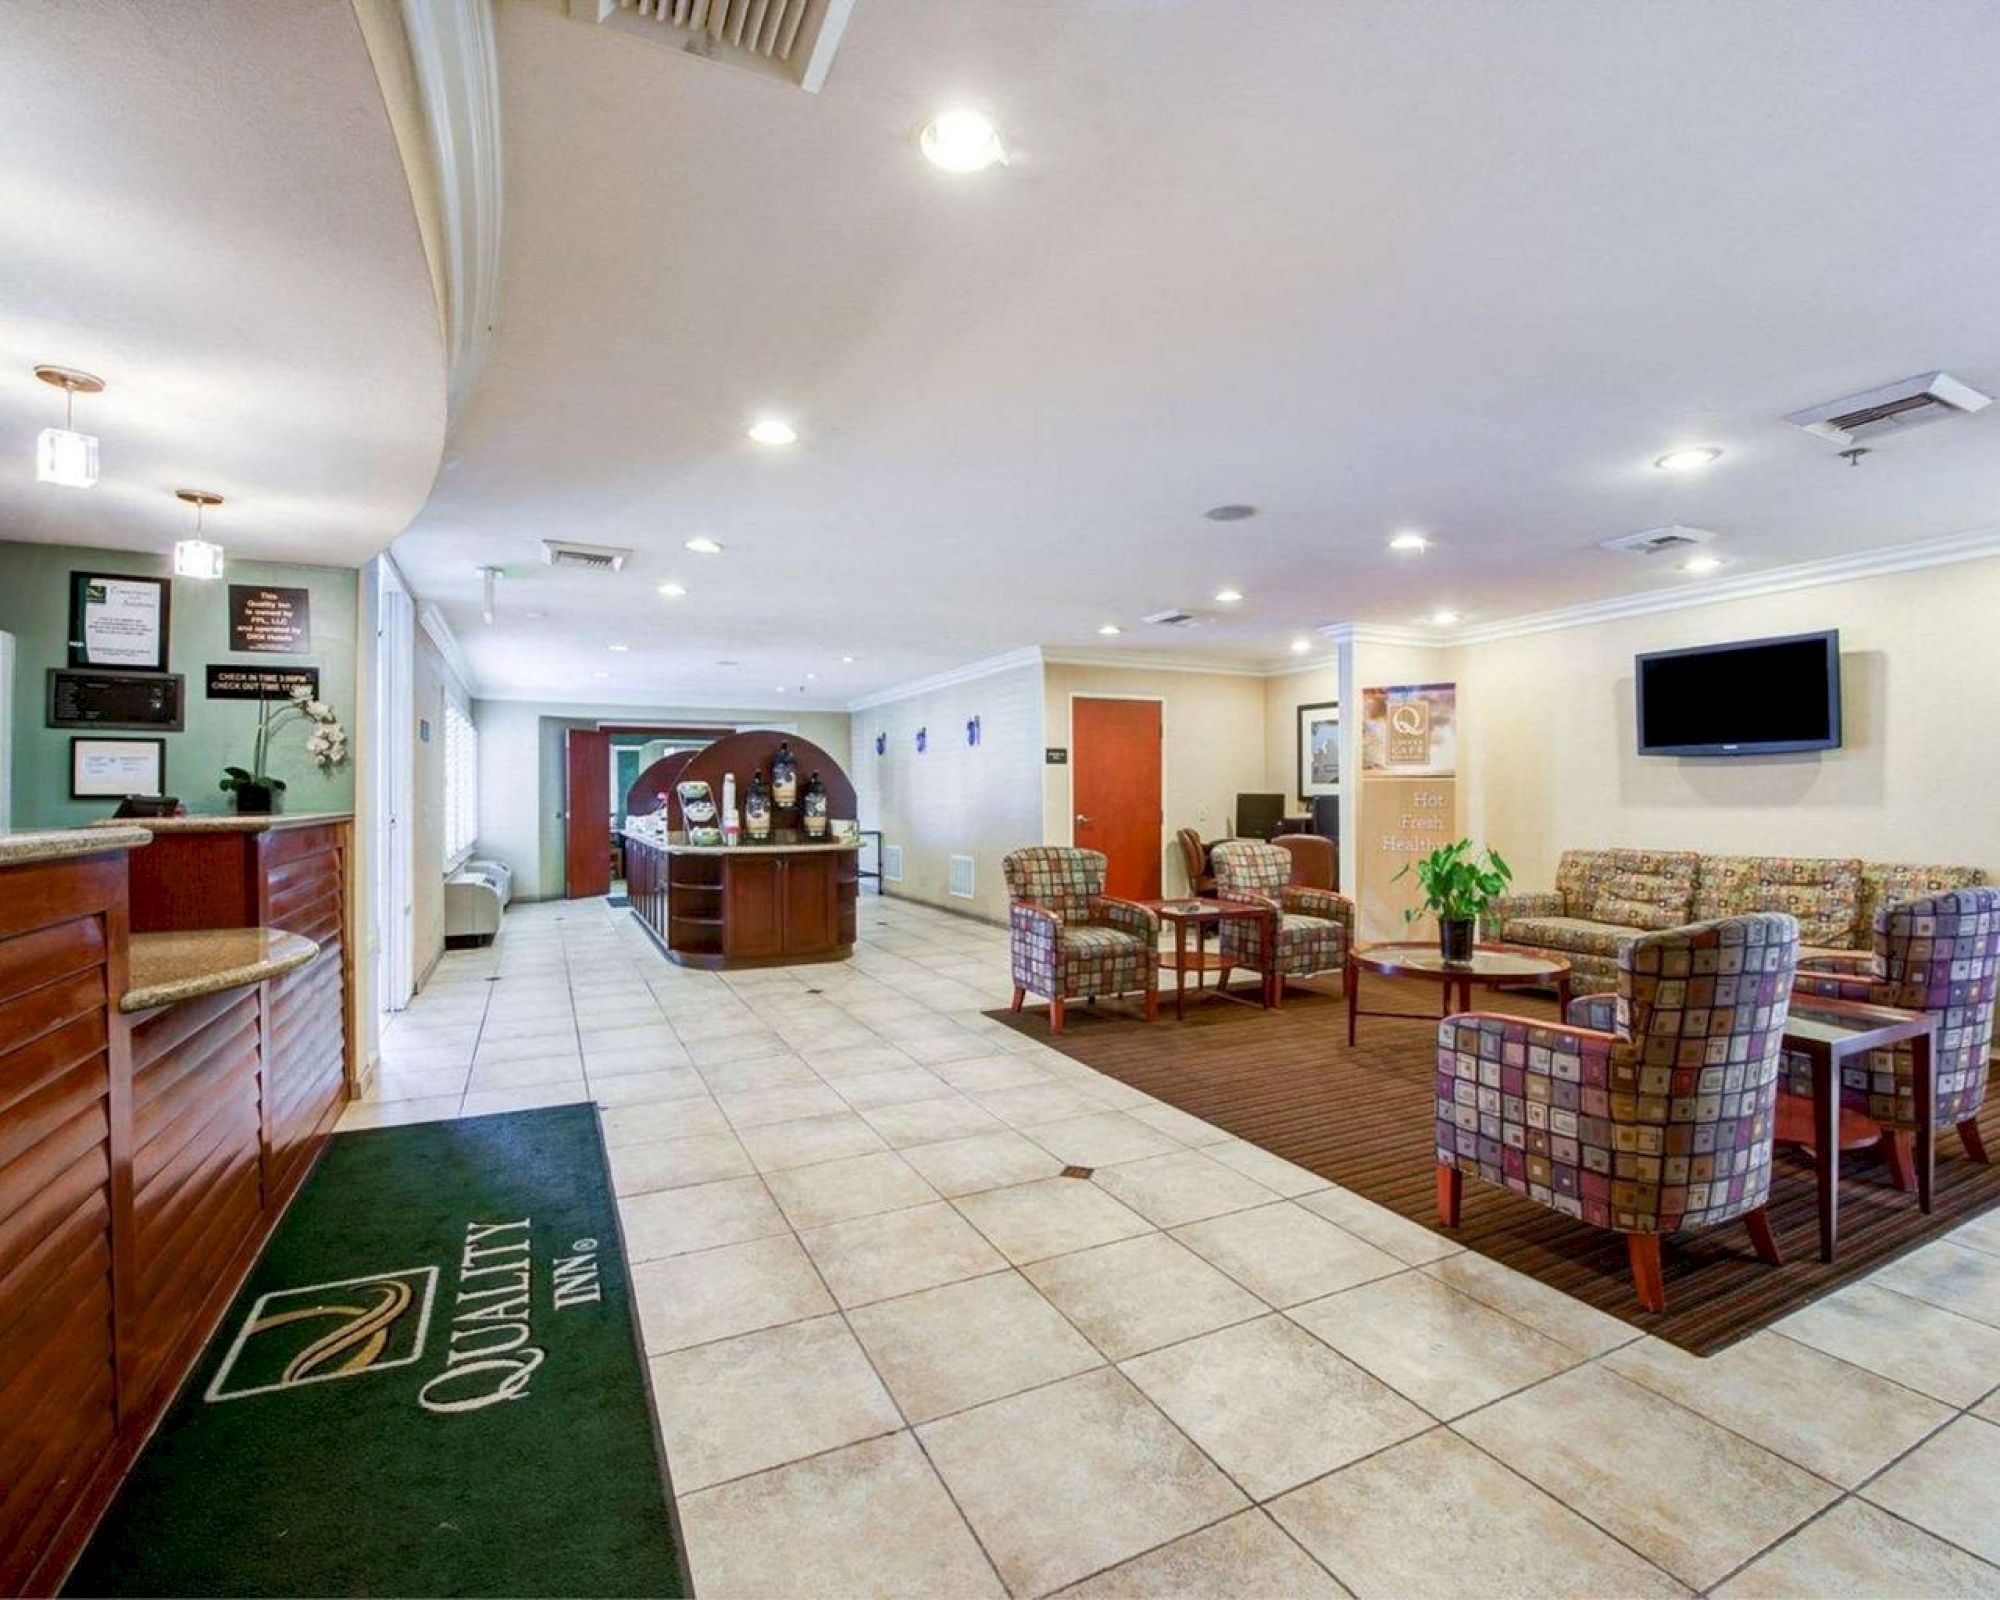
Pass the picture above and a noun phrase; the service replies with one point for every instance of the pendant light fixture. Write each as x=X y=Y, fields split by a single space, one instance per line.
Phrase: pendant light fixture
x=63 y=455
x=196 y=557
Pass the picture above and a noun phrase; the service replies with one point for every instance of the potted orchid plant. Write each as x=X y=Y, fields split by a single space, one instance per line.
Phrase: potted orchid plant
x=253 y=790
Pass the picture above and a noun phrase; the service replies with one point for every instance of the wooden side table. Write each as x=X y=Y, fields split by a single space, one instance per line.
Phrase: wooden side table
x=1201 y=916
x=1829 y=1032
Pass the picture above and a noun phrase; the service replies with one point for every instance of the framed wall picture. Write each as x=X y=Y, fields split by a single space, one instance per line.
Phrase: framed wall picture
x=110 y=769
x=119 y=621
x=1319 y=749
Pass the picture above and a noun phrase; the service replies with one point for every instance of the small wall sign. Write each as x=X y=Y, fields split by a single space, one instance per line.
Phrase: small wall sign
x=226 y=682
x=110 y=769
x=119 y=621
x=151 y=700
x=270 y=621
x=1056 y=756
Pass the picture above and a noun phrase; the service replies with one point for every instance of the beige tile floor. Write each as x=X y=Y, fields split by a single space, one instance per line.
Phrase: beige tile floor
x=894 y=1352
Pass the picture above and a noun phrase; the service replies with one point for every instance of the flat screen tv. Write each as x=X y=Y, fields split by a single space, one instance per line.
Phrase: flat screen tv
x=1756 y=697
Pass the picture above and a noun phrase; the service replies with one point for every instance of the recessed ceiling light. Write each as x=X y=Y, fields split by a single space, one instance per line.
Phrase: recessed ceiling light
x=1235 y=511
x=847 y=661
x=1692 y=459
x=962 y=140
x=702 y=545
x=1444 y=618
x=1301 y=646
x=1228 y=597
x=773 y=430
x=781 y=688
x=600 y=674
x=1110 y=628
x=1411 y=543
x=673 y=591
x=619 y=648
x=1701 y=565
x=810 y=676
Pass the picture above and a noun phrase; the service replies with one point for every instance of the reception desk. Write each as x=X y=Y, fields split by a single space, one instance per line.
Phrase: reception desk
x=744 y=905
x=173 y=1052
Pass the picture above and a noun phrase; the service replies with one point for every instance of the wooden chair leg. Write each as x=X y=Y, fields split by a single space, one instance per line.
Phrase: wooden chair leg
x=1222 y=976
x=1275 y=985
x=1642 y=1250
x=1761 y=1238
x=1897 y=1149
x=1020 y=995
x=1055 y=1015
x=1451 y=1195
x=1974 y=1142
x=1152 y=1005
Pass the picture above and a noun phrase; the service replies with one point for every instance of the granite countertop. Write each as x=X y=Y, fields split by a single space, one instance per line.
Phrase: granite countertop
x=226 y=823
x=171 y=967
x=674 y=847
x=52 y=844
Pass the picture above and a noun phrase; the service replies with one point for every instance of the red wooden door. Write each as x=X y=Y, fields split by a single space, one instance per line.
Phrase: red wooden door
x=1115 y=790
x=587 y=814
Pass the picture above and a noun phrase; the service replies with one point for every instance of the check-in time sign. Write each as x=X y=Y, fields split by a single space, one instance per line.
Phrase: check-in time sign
x=270 y=621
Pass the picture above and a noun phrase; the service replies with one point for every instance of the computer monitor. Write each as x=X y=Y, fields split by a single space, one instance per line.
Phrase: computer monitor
x=1326 y=816
x=1258 y=815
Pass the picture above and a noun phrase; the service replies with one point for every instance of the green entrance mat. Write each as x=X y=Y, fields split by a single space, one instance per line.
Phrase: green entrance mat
x=430 y=1385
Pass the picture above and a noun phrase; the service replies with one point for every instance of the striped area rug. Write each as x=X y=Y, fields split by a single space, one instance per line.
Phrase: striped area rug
x=1361 y=1117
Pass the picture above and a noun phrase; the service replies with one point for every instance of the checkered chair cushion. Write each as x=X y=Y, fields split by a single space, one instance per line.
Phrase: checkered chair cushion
x=1314 y=927
x=1661 y=1123
x=1937 y=954
x=1070 y=939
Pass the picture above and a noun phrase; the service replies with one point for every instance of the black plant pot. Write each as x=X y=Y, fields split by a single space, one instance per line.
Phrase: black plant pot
x=255 y=799
x=1455 y=939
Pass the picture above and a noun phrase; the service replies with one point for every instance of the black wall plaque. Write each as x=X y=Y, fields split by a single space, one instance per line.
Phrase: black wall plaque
x=1056 y=756
x=152 y=700
x=226 y=682
x=270 y=621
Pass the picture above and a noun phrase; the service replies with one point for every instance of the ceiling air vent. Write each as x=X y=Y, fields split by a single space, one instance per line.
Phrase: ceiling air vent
x=588 y=557
x=1928 y=397
x=1655 y=541
x=1172 y=617
x=790 y=39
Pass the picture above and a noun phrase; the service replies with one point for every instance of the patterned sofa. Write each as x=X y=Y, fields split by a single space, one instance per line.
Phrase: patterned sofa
x=1604 y=899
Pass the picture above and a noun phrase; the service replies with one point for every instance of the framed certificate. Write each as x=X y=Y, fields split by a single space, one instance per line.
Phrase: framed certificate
x=118 y=621
x=110 y=769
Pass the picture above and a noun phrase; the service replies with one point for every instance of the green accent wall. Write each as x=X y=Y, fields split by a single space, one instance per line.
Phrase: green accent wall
x=34 y=608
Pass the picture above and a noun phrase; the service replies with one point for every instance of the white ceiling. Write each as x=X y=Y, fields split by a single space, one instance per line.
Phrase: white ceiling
x=1460 y=266
x=202 y=203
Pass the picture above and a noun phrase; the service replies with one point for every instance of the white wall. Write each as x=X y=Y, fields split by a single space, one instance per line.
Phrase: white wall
x=521 y=770
x=1548 y=741
x=955 y=799
x=1213 y=746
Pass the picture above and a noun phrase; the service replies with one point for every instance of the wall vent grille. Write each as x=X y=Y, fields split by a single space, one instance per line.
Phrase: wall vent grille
x=958 y=881
x=1895 y=408
x=791 y=39
x=892 y=863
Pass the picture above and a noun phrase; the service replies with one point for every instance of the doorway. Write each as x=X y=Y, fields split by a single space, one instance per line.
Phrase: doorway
x=1116 y=789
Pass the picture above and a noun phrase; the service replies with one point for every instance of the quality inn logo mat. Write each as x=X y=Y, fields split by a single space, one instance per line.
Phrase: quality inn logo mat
x=331 y=1330
x=442 y=1324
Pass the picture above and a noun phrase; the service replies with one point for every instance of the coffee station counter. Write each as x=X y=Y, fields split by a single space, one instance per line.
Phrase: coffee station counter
x=745 y=905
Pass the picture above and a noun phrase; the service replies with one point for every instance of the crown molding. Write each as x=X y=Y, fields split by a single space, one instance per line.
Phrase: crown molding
x=431 y=620
x=1978 y=544
x=458 y=78
x=1385 y=633
x=986 y=667
x=1142 y=661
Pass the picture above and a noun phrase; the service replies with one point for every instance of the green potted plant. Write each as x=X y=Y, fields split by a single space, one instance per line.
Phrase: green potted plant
x=253 y=790
x=1458 y=886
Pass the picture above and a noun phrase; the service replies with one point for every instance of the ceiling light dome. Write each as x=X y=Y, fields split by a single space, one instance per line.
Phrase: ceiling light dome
x=962 y=140
x=1301 y=645
x=1410 y=543
x=702 y=545
x=1445 y=617
x=1691 y=459
x=773 y=431
x=1109 y=629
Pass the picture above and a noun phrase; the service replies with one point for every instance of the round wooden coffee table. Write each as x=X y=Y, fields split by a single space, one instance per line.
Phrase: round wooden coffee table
x=1491 y=965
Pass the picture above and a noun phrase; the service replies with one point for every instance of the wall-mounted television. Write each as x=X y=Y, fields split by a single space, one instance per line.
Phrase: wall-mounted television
x=1755 y=697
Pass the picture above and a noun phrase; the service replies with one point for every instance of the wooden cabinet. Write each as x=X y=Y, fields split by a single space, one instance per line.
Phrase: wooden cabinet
x=751 y=905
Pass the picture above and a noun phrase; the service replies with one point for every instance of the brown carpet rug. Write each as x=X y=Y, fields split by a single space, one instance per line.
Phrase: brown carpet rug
x=1287 y=1080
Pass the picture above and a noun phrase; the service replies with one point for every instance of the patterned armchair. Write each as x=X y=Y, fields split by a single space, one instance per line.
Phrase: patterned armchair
x=1938 y=954
x=1307 y=931
x=1649 y=1111
x=1070 y=939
